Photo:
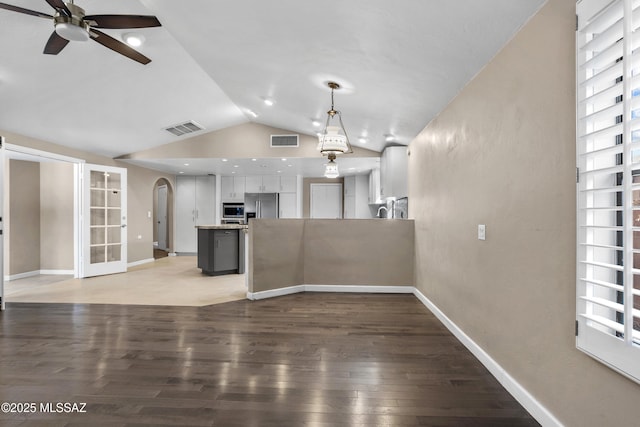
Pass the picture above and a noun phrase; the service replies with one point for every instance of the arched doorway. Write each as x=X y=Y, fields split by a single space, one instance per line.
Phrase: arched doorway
x=162 y=218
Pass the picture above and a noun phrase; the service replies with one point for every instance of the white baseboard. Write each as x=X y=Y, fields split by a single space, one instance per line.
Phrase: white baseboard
x=37 y=273
x=21 y=275
x=330 y=288
x=360 y=288
x=58 y=272
x=142 y=261
x=275 y=292
x=530 y=403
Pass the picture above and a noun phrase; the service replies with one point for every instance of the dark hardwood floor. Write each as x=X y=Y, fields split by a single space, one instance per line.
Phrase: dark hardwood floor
x=300 y=360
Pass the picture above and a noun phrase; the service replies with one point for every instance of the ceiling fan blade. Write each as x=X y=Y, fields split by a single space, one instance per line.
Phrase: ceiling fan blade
x=123 y=21
x=23 y=10
x=59 y=6
x=118 y=46
x=55 y=44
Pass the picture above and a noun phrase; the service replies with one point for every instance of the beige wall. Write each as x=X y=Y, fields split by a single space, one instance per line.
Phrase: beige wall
x=141 y=182
x=276 y=253
x=245 y=140
x=503 y=154
x=306 y=191
x=56 y=216
x=24 y=214
x=293 y=252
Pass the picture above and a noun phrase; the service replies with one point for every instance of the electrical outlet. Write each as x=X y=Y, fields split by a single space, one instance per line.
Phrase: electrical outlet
x=482 y=232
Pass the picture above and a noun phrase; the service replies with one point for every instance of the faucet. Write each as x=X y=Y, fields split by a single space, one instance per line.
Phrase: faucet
x=380 y=208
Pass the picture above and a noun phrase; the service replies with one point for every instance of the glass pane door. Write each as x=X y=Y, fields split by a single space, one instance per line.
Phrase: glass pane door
x=105 y=202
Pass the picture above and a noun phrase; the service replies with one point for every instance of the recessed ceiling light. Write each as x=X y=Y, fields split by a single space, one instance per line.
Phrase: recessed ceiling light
x=233 y=171
x=315 y=123
x=253 y=160
x=180 y=172
x=268 y=102
x=279 y=171
x=133 y=39
x=284 y=160
x=389 y=138
x=362 y=140
x=252 y=113
x=352 y=169
x=186 y=164
x=236 y=166
x=318 y=134
x=289 y=165
x=225 y=160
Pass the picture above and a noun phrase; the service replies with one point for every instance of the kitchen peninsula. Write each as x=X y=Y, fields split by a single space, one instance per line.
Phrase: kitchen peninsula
x=221 y=249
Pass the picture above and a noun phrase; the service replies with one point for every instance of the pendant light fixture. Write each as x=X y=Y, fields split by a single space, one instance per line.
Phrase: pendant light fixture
x=334 y=137
x=331 y=170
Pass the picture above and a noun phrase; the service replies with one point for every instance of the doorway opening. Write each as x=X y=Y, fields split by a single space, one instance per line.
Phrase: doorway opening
x=162 y=219
x=39 y=216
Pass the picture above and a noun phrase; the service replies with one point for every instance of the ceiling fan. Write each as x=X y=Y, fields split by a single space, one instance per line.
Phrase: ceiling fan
x=71 y=23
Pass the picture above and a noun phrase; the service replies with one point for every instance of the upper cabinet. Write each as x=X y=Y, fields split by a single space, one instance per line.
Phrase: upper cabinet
x=271 y=184
x=232 y=188
x=262 y=184
x=393 y=172
x=374 y=186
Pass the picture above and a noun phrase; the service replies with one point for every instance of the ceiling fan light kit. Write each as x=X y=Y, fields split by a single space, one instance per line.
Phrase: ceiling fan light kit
x=73 y=27
x=71 y=24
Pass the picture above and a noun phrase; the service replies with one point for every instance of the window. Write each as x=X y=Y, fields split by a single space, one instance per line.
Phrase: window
x=608 y=193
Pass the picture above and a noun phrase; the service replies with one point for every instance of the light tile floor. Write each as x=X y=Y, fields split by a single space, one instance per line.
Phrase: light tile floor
x=167 y=281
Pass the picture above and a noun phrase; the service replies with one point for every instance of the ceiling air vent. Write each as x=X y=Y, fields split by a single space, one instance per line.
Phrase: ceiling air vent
x=184 y=128
x=284 y=140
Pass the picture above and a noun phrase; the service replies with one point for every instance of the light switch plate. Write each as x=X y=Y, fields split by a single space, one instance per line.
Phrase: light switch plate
x=482 y=232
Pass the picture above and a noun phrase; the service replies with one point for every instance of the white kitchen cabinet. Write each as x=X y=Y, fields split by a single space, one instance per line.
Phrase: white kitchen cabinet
x=288 y=184
x=253 y=184
x=393 y=172
x=374 y=186
x=326 y=201
x=195 y=205
x=232 y=188
x=270 y=183
x=262 y=184
x=288 y=205
x=356 y=197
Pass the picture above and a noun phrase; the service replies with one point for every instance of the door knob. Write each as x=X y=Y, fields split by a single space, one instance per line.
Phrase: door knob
x=123 y=225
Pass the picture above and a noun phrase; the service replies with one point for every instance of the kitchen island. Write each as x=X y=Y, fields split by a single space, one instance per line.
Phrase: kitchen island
x=221 y=249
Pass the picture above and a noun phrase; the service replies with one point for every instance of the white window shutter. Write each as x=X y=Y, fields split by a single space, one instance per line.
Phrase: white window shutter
x=608 y=191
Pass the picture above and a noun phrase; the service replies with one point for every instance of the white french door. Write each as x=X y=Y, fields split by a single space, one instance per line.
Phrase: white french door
x=104 y=220
x=2 y=224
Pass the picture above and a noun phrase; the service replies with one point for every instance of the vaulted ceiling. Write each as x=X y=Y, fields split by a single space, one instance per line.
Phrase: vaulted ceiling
x=213 y=62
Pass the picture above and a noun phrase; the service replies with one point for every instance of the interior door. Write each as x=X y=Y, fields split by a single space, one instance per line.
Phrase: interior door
x=104 y=220
x=161 y=213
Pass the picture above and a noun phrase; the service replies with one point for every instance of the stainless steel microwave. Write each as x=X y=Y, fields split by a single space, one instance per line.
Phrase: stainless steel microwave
x=233 y=210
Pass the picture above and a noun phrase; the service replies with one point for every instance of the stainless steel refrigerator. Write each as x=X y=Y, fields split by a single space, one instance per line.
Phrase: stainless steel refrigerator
x=260 y=205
